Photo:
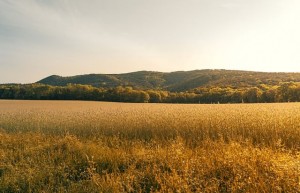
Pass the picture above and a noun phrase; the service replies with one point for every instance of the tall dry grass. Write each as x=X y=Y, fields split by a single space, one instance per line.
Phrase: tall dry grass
x=49 y=146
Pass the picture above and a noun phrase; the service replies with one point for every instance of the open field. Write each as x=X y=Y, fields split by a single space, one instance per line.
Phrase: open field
x=72 y=146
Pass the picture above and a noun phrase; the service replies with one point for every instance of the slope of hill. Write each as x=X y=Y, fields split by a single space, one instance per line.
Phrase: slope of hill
x=176 y=81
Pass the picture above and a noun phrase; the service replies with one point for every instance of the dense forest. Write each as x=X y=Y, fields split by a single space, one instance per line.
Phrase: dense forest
x=284 y=92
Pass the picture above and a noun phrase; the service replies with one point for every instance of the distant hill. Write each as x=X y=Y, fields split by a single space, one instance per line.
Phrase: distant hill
x=176 y=81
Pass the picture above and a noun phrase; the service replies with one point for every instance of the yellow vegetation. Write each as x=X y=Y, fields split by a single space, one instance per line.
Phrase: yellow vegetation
x=57 y=146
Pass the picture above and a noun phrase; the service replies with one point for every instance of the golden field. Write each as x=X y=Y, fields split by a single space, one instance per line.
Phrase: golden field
x=72 y=146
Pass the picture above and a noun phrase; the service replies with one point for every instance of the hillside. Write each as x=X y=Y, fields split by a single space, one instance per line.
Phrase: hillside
x=176 y=81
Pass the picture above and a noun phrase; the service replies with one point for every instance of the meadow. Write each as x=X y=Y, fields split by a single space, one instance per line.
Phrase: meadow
x=76 y=146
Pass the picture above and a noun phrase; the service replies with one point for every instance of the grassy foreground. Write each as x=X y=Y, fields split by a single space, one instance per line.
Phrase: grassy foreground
x=49 y=146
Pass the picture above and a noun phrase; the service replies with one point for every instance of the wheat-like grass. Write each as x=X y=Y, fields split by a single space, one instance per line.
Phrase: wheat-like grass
x=57 y=146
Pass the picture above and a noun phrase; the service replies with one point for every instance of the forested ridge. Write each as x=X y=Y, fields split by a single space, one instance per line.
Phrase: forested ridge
x=199 y=86
x=180 y=81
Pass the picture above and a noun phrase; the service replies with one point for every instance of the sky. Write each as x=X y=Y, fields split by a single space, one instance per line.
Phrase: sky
x=39 y=38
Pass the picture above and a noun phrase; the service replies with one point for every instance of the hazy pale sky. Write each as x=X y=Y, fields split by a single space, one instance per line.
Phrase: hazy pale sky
x=68 y=37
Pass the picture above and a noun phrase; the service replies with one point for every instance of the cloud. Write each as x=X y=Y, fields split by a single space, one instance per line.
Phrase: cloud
x=84 y=36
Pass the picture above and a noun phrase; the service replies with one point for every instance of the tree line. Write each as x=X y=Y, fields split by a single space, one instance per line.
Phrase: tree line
x=284 y=92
